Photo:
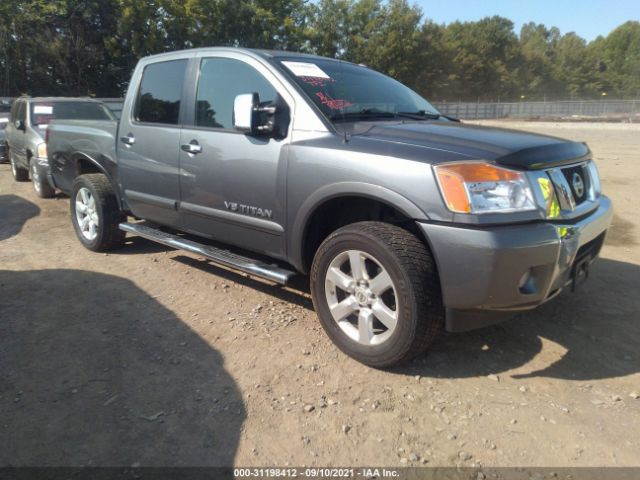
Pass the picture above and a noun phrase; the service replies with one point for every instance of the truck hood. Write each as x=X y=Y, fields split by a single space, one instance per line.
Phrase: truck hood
x=510 y=148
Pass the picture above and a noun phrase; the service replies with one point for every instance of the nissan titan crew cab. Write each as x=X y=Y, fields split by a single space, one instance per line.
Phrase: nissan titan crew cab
x=407 y=222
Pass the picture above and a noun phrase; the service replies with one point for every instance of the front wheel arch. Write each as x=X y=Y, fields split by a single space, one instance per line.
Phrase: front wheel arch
x=297 y=249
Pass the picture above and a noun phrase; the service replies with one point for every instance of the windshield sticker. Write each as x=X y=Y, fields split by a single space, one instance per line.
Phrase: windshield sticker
x=333 y=103
x=304 y=69
x=43 y=109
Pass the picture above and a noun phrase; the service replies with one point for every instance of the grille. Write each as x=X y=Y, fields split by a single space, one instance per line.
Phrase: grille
x=577 y=178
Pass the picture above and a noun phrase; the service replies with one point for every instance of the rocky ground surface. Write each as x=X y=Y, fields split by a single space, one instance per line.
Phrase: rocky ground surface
x=149 y=356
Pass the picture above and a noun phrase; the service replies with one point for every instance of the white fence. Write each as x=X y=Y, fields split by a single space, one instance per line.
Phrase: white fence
x=549 y=109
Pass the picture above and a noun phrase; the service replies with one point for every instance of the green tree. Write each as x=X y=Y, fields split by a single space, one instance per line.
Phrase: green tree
x=486 y=57
x=538 y=47
x=616 y=60
x=574 y=67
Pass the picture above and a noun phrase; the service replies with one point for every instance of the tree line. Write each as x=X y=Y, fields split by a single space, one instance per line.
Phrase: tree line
x=90 y=47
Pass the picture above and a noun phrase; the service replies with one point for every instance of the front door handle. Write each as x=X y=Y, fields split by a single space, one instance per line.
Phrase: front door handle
x=193 y=148
x=128 y=140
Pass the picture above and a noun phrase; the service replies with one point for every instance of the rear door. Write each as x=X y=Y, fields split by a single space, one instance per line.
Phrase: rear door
x=233 y=190
x=149 y=139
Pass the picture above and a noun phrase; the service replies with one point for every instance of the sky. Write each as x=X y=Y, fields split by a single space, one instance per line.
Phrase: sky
x=588 y=18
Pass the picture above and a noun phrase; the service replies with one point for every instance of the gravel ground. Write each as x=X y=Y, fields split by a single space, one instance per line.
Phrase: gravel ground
x=149 y=356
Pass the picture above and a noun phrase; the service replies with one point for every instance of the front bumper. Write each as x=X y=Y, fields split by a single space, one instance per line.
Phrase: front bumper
x=482 y=269
x=45 y=170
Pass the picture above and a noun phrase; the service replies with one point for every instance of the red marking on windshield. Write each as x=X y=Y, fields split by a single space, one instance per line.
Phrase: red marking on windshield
x=316 y=81
x=333 y=103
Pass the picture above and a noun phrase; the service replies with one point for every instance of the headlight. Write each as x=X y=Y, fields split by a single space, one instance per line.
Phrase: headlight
x=476 y=187
x=595 y=178
x=42 y=150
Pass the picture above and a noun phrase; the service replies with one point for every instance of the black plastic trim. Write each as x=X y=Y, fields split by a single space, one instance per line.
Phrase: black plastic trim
x=546 y=156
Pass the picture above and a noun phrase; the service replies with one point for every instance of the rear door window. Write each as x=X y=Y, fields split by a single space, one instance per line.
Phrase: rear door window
x=160 y=93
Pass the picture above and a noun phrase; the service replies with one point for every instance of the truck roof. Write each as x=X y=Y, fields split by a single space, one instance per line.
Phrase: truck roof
x=59 y=99
x=255 y=51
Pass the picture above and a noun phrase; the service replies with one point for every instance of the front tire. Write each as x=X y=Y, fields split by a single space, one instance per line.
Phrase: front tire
x=376 y=291
x=95 y=213
x=19 y=174
x=39 y=180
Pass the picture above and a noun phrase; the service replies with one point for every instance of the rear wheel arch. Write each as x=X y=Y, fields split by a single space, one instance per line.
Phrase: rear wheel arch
x=95 y=213
x=83 y=165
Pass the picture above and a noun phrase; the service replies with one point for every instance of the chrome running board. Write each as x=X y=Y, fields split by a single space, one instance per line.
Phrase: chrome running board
x=223 y=257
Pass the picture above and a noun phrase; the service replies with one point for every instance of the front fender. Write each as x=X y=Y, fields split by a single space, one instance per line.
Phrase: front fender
x=342 y=189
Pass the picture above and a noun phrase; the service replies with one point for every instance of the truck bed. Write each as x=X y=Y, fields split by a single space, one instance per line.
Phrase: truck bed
x=70 y=139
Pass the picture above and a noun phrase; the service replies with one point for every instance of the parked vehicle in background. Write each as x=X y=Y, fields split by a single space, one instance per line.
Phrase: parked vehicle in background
x=5 y=108
x=3 y=143
x=25 y=134
x=405 y=221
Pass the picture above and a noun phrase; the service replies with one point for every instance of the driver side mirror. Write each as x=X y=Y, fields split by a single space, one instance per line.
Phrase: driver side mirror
x=20 y=125
x=252 y=118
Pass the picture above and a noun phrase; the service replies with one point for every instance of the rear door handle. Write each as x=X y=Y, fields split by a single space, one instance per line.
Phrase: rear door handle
x=128 y=140
x=193 y=148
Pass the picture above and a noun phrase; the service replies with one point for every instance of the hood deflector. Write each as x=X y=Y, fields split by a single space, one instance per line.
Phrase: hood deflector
x=546 y=156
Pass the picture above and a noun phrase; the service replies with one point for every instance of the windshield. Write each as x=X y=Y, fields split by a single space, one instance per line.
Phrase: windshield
x=342 y=90
x=43 y=112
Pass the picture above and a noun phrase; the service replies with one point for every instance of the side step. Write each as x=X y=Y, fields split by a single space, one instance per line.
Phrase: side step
x=217 y=255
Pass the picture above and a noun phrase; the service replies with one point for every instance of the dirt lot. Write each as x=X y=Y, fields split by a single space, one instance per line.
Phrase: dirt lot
x=148 y=356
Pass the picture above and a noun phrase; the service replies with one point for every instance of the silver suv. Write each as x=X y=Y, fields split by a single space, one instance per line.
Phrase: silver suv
x=25 y=132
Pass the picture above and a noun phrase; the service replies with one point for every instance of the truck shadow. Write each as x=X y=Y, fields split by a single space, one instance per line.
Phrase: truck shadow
x=95 y=372
x=15 y=211
x=297 y=292
x=595 y=331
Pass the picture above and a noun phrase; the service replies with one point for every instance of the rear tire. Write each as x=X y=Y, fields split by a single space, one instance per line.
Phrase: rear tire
x=95 y=213
x=19 y=174
x=39 y=180
x=388 y=309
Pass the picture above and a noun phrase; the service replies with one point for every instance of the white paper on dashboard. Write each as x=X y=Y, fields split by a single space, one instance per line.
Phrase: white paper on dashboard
x=305 y=69
x=43 y=109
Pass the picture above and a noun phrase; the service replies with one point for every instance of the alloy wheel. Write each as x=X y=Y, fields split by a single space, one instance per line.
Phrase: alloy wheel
x=87 y=214
x=361 y=297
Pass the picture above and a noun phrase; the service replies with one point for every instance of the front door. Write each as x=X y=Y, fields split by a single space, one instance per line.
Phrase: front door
x=233 y=188
x=15 y=136
x=149 y=141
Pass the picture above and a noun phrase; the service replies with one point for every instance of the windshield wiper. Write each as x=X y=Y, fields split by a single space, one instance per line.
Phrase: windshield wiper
x=372 y=113
x=420 y=115
x=364 y=113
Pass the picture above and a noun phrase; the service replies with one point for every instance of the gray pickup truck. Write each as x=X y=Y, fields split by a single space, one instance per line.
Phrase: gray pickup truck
x=277 y=164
